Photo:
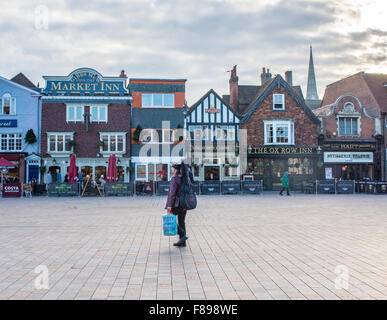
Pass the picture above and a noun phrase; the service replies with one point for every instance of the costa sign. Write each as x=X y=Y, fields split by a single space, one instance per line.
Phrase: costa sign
x=12 y=190
x=84 y=80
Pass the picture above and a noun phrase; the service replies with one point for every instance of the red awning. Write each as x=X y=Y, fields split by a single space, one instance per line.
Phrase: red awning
x=6 y=164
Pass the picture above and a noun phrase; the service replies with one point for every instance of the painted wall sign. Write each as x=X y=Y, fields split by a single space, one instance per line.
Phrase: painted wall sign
x=348 y=157
x=8 y=123
x=212 y=109
x=282 y=150
x=349 y=146
x=83 y=81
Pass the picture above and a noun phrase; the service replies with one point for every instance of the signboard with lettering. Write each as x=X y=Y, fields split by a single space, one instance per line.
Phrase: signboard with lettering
x=84 y=80
x=252 y=187
x=326 y=186
x=349 y=146
x=63 y=189
x=8 y=123
x=348 y=157
x=211 y=187
x=12 y=190
x=162 y=187
x=281 y=150
x=345 y=187
x=231 y=187
x=118 y=189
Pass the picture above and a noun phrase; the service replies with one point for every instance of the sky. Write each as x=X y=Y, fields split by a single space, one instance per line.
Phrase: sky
x=196 y=40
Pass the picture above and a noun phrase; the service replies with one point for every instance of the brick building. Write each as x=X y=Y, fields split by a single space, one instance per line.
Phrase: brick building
x=156 y=101
x=353 y=127
x=281 y=130
x=87 y=114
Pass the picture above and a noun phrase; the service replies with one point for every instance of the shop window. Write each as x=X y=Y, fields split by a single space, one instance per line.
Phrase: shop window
x=230 y=171
x=151 y=172
x=300 y=166
x=158 y=100
x=11 y=142
x=74 y=113
x=8 y=104
x=279 y=132
x=99 y=172
x=278 y=102
x=98 y=113
x=348 y=126
x=162 y=172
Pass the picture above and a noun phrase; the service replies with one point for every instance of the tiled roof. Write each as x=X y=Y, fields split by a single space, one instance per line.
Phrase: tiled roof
x=377 y=84
x=21 y=79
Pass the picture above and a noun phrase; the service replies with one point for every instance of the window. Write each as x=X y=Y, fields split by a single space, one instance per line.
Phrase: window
x=113 y=142
x=60 y=142
x=157 y=100
x=8 y=104
x=11 y=142
x=152 y=172
x=156 y=136
x=348 y=126
x=74 y=113
x=141 y=172
x=98 y=113
x=278 y=102
x=168 y=136
x=279 y=132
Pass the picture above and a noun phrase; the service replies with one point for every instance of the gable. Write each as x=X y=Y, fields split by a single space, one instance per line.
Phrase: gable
x=211 y=109
x=273 y=87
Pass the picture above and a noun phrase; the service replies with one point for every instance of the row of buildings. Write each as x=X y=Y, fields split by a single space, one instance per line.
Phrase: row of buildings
x=342 y=136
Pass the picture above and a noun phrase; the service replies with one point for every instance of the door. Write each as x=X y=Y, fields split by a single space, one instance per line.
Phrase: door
x=33 y=173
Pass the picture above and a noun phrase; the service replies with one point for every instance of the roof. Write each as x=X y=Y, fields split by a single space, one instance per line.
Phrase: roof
x=267 y=88
x=34 y=92
x=21 y=79
x=377 y=85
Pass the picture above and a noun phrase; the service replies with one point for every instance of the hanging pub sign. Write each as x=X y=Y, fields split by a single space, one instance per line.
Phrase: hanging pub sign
x=211 y=187
x=8 y=123
x=252 y=187
x=118 y=189
x=345 y=187
x=326 y=186
x=63 y=190
x=84 y=81
x=231 y=187
x=263 y=150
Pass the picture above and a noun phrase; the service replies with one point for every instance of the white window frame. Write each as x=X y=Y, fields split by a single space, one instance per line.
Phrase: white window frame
x=283 y=101
x=12 y=104
x=75 y=106
x=116 y=135
x=99 y=108
x=275 y=124
x=56 y=134
x=152 y=105
x=146 y=172
x=17 y=136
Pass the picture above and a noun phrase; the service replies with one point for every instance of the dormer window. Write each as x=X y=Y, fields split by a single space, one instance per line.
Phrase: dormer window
x=278 y=102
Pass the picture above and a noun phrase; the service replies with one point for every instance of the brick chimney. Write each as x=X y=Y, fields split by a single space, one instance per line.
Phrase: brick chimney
x=234 y=89
x=289 y=77
x=265 y=75
x=123 y=75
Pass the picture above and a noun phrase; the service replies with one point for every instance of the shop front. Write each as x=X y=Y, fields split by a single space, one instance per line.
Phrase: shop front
x=351 y=161
x=270 y=163
x=16 y=174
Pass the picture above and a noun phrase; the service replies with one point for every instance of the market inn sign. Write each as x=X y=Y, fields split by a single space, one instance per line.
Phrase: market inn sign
x=84 y=81
x=270 y=150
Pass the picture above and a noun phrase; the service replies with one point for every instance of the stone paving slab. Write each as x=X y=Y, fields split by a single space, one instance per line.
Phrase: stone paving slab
x=239 y=247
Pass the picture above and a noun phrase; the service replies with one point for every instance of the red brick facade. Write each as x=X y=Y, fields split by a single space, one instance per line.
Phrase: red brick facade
x=54 y=120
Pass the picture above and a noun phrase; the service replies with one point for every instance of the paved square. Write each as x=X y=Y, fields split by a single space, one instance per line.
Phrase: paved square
x=239 y=247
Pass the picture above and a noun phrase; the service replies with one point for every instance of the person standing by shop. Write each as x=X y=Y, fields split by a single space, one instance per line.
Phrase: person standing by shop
x=58 y=176
x=173 y=205
x=285 y=183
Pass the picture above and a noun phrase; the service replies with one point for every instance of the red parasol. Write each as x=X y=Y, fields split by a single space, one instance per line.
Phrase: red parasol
x=112 y=169
x=4 y=163
x=72 y=174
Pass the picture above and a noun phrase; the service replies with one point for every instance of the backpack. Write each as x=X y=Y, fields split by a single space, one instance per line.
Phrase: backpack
x=187 y=196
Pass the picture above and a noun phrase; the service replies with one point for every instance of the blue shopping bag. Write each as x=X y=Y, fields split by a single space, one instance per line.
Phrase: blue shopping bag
x=169 y=224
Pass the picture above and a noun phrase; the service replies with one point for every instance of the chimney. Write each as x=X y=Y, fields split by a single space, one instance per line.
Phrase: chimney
x=289 y=77
x=265 y=76
x=123 y=75
x=234 y=89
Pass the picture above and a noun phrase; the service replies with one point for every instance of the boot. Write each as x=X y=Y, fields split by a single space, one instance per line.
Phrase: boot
x=181 y=242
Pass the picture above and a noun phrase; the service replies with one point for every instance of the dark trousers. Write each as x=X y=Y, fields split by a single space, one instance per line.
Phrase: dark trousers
x=287 y=190
x=180 y=213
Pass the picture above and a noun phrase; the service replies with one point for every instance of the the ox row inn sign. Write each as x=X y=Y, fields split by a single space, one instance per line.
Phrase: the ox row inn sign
x=84 y=81
x=281 y=150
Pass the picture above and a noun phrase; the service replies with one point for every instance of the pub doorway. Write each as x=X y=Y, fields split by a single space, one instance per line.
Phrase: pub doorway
x=53 y=170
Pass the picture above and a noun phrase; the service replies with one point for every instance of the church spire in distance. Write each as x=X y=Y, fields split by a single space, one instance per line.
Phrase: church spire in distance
x=311 y=91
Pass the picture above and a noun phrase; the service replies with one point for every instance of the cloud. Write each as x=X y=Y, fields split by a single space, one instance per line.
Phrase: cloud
x=198 y=40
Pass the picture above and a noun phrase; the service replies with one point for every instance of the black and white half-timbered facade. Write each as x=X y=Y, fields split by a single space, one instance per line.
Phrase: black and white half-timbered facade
x=213 y=128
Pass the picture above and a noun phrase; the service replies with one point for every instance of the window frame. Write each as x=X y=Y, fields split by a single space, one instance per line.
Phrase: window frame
x=99 y=107
x=116 y=135
x=283 y=101
x=75 y=106
x=12 y=105
x=57 y=134
x=344 y=118
x=275 y=124
x=153 y=105
x=18 y=137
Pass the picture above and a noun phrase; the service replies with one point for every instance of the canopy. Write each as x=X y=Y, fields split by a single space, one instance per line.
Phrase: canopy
x=112 y=169
x=73 y=174
x=4 y=163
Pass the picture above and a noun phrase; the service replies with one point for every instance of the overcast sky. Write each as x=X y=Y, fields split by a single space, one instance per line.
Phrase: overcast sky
x=198 y=40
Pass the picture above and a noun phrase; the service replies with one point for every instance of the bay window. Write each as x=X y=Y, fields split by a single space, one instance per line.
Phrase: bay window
x=279 y=132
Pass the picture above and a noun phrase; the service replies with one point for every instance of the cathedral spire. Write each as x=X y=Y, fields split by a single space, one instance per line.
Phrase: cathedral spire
x=311 y=91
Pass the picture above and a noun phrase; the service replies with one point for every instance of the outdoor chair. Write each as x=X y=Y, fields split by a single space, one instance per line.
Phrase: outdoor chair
x=27 y=190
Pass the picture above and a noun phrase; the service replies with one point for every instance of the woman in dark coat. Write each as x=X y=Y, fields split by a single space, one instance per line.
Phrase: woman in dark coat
x=173 y=206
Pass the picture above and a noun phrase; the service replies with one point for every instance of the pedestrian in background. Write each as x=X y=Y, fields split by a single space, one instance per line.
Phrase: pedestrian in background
x=285 y=183
x=58 y=176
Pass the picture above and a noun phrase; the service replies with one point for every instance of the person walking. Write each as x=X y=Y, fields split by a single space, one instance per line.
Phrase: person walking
x=285 y=183
x=173 y=205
